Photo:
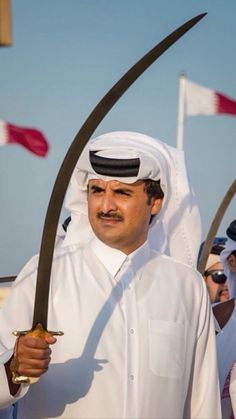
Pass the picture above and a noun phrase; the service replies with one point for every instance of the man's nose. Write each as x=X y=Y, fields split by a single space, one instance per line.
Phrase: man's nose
x=108 y=202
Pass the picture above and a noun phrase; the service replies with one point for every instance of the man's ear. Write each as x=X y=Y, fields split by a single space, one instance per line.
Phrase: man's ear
x=156 y=205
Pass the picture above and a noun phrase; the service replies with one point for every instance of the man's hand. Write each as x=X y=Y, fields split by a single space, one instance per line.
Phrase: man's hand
x=33 y=355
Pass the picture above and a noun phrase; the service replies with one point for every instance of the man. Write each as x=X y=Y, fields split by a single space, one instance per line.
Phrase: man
x=225 y=315
x=138 y=334
x=216 y=280
x=228 y=258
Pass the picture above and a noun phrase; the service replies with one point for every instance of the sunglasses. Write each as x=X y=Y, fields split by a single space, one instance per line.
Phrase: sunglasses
x=217 y=275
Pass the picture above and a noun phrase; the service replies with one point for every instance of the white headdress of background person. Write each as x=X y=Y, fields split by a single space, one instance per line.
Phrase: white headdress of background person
x=176 y=230
x=229 y=263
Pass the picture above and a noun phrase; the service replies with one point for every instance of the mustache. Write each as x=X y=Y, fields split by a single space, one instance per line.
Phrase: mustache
x=110 y=216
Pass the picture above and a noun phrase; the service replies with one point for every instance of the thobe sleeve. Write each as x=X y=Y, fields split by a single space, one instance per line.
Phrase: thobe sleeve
x=203 y=401
x=6 y=399
x=16 y=314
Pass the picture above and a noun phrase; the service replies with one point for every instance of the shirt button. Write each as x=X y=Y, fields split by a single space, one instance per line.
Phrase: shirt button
x=132 y=377
x=132 y=331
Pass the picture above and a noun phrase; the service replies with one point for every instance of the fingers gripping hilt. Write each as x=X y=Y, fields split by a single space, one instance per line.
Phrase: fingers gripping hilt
x=38 y=332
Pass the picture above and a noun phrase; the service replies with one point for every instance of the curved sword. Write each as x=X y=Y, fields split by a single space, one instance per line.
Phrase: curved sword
x=70 y=160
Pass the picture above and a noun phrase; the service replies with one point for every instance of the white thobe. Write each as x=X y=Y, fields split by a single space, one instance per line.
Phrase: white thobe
x=226 y=348
x=138 y=338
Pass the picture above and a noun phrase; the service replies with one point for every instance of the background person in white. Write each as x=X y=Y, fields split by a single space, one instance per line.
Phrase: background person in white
x=139 y=339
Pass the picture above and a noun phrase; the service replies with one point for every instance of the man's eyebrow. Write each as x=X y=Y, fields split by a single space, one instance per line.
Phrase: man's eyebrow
x=118 y=189
x=124 y=189
x=95 y=187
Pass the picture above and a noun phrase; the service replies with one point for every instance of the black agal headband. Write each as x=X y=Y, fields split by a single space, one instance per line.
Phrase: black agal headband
x=114 y=167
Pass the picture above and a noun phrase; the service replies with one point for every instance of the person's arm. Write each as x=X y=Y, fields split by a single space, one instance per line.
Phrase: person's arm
x=33 y=358
x=204 y=396
x=15 y=315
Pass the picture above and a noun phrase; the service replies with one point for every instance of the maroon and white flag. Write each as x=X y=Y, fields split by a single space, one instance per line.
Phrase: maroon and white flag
x=30 y=138
x=200 y=100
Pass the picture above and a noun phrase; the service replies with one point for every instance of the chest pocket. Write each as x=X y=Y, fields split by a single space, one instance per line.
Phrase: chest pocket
x=167 y=348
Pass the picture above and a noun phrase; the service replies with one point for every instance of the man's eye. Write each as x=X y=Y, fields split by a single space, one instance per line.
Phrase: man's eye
x=95 y=189
x=123 y=192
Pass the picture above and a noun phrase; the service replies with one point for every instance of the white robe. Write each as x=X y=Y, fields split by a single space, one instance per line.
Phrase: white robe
x=226 y=348
x=226 y=354
x=138 y=338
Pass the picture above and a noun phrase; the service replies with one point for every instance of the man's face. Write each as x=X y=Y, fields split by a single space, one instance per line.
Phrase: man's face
x=217 y=292
x=119 y=213
x=232 y=261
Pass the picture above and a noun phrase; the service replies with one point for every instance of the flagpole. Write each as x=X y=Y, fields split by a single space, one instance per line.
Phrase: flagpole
x=181 y=113
x=5 y=23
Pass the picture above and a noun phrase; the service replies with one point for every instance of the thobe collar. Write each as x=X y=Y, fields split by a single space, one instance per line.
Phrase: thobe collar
x=114 y=259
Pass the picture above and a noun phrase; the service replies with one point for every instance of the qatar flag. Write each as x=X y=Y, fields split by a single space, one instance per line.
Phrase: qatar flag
x=200 y=100
x=30 y=138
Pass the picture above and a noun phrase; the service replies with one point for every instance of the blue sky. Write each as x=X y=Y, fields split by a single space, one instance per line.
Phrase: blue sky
x=67 y=54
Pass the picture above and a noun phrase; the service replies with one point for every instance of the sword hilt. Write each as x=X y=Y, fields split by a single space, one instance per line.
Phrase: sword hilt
x=38 y=332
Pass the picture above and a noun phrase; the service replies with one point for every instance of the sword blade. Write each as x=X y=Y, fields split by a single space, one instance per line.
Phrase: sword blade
x=69 y=162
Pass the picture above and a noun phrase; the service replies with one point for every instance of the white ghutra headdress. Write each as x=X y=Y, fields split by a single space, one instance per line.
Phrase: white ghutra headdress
x=128 y=157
